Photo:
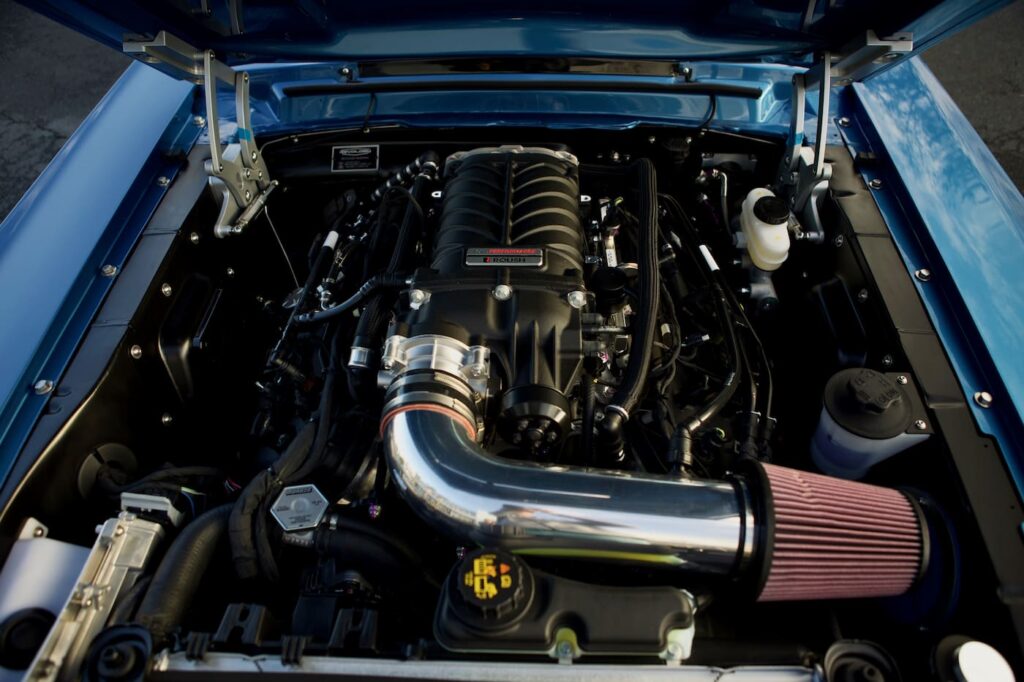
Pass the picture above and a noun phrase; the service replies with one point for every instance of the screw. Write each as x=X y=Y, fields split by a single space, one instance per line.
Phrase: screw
x=577 y=299
x=253 y=155
x=248 y=195
x=902 y=380
x=245 y=77
x=920 y=425
x=43 y=386
x=166 y=419
x=163 y=181
x=88 y=603
x=38 y=532
x=166 y=289
x=199 y=121
x=983 y=399
x=843 y=121
x=652 y=139
x=248 y=173
x=135 y=351
x=564 y=650
x=346 y=72
x=417 y=297
x=687 y=72
x=502 y=292
x=875 y=184
x=924 y=274
x=230 y=272
x=887 y=361
x=108 y=270
x=688 y=141
x=194 y=237
x=839 y=241
x=119 y=531
x=862 y=296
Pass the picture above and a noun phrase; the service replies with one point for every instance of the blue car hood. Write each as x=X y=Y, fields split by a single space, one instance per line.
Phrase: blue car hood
x=247 y=31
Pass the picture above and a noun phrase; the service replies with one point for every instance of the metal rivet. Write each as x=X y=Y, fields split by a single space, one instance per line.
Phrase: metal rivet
x=230 y=272
x=43 y=386
x=502 y=292
x=199 y=121
x=38 y=533
x=135 y=351
x=163 y=181
x=984 y=399
x=875 y=184
x=924 y=274
x=920 y=425
x=843 y=122
x=577 y=299
x=166 y=419
x=902 y=380
x=166 y=289
x=108 y=270
x=194 y=237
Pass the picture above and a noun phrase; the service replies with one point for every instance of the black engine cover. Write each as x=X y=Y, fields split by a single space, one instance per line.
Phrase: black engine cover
x=511 y=219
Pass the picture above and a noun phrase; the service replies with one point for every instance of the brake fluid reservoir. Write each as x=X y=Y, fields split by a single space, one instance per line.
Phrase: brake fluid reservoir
x=765 y=224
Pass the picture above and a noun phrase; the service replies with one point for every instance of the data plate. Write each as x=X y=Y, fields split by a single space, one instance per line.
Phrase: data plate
x=354 y=158
x=504 y=257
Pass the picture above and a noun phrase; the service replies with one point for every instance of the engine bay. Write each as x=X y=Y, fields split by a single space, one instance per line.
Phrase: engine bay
x=538 y=397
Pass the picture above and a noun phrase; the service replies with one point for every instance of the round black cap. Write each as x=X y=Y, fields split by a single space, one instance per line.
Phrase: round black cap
x=21 y=635
x=771 y=210
x=868 y=403
x=490 y=589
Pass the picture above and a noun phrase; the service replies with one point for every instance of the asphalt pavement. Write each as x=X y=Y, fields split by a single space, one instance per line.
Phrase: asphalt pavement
x=52 y=78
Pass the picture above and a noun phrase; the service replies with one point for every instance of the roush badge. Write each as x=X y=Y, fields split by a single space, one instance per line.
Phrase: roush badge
x=505 y=257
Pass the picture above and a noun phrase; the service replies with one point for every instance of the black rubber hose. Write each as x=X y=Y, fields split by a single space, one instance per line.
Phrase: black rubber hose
x=589 y=409
x=177 y=579
x=630 y=390
x=372 y=551
x=370 y=286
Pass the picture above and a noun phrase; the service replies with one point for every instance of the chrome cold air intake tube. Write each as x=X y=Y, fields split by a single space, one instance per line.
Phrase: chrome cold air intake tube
x=451 y=482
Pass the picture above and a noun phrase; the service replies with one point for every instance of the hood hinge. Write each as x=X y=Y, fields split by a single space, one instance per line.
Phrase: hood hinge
x=238 y=174
x=804 y=175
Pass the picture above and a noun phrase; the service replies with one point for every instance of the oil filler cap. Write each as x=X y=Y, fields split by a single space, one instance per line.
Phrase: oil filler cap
x=490 y=589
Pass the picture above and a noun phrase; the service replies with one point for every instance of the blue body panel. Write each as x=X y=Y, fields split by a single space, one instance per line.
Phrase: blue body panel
x=83 y=212
x=953 y=211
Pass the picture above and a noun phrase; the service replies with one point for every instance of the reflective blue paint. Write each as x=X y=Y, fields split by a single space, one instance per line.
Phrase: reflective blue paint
x=84 y=211
x=953 y=210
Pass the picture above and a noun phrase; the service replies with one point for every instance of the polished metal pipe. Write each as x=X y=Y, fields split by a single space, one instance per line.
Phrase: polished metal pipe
x=448 y=479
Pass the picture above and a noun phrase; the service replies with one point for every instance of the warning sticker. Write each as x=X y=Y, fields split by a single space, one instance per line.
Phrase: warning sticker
x=355 y=158
x=505 y=256
x=488 y=576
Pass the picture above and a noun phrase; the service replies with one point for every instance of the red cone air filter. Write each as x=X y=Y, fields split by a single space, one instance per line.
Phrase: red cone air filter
x=835 y=539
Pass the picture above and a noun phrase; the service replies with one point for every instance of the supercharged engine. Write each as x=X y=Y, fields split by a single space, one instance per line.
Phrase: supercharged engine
x=537 y=402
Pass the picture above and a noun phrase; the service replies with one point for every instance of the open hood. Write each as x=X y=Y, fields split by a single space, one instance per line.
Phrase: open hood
x=249 y=31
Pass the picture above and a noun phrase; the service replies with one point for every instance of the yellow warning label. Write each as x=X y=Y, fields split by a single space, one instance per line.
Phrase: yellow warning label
x=488 y=576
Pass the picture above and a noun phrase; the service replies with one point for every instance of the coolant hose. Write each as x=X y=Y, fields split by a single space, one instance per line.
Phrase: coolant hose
x=178 y=577
x=630 y=390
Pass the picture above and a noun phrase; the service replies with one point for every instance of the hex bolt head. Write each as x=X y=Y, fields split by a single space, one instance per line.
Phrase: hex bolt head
x=502 y=292
x=163 y=181
x=887 y=361
x=108 y=270
x=417 y=297
x=920 y=425
x=166 y=419
x=253 y=155
x=875 y=184
x=230 y=272
x=166 y=289
x=924 y=274
x=199 y=121
x=248 y=195
x=194 y=237
x=902 y=380
x=135 y=351
x=983 y=399
x=839 y=241
x=862 y=296
x=577 y=299
x=843 y=122
x=43 y=386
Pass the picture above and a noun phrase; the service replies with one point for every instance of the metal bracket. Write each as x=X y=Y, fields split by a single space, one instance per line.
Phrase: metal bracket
x=804 y=175
x=238 y=174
